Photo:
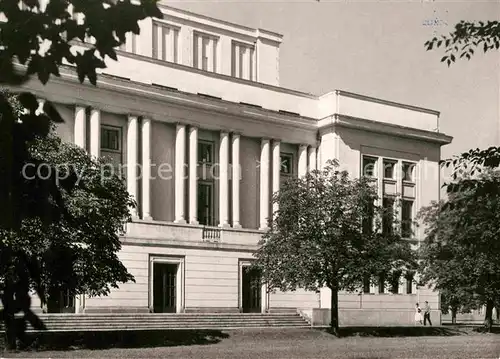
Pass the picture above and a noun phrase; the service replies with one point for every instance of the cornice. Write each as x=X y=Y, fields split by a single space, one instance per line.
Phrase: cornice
x=339 y=120
x=164 y=242
x=386 y=102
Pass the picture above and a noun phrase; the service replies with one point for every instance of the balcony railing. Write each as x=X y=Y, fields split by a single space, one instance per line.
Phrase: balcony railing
x=211 y=233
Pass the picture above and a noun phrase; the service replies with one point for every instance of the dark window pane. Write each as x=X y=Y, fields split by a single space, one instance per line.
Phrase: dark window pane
x=369 y=167
x=408 y=172
x=387 y=219
x=286 y=164
x=205 y=152
x=389 y=169
x=407 y=218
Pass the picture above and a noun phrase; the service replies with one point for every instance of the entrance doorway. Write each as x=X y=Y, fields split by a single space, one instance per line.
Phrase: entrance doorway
x=61 y=301
x=165 y=287
x=251 y=290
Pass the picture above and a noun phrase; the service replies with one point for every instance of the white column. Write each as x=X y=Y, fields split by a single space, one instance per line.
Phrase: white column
x=95 y=132
x=236 y=179
x=276 y=170
x=180 y=148
x=312 y=159
x=199 y=52
x=224 y=180
x=80 y=127
x=302 y=160
x=193 y=174
x=264 y=183
x=236 y=58
x=146 y=168
x=244 y=63
x=132 y=136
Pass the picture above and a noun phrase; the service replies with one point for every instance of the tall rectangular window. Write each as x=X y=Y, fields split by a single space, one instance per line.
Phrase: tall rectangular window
x=165 y=42
x=111 y=146
x=409 y=283
x=242 y=61
x=205 y=203
x=205 y=52
x=395 y=283
x=366 y=284
x=381 y=283
x=406 y=218
x=387 y=218
x=367 y=221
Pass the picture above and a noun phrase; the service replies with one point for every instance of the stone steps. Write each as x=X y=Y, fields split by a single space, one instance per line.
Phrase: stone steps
x=118 y=322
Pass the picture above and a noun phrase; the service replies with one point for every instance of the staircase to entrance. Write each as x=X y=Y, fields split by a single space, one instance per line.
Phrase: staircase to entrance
x=124 y=322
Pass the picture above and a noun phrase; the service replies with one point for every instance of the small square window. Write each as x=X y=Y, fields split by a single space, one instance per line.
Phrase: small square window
x=369 y=167
x=389 y=169
x=408 y=171
x=205 y=152
x=286 y=161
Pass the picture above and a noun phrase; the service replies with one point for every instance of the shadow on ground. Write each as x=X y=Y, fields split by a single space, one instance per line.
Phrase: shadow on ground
x=401 y=331
x=118 y=339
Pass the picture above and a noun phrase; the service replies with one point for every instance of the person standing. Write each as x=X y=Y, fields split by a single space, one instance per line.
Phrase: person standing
x=418 y=314
x=427 y=313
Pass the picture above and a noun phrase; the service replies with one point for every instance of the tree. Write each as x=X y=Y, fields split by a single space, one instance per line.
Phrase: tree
x=324 y=234
x=468 y=37
x=36 y=40
x=461 y=249
x=75 y=252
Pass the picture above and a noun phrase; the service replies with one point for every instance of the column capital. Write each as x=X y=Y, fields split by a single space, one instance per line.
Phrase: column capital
x=302 y=145
x=236 y=133
x=133 y=116
x=265 y=139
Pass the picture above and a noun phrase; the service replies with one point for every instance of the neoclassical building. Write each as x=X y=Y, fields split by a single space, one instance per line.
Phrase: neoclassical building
x=194 y=111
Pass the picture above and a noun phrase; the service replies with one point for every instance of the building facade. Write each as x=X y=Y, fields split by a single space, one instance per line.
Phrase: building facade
x=193 y=113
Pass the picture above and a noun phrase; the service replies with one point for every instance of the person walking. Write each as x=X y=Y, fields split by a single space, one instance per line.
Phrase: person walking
x=418 y=314
x=427 y=313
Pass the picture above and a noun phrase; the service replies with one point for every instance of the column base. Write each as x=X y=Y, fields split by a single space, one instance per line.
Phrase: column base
x=193 y=221
x=224 y=225
x=237 y=225
x=266 y=228
x=147 y=218
x=180 y=221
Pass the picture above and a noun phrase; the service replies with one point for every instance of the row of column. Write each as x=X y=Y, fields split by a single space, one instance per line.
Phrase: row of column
x=180 y=147
x=94 y=149
x=306 y=161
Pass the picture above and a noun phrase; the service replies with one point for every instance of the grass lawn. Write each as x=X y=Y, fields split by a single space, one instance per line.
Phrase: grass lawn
x=277 y=344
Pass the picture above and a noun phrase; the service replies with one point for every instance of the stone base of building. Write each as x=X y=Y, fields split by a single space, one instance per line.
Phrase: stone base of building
x=368 y=317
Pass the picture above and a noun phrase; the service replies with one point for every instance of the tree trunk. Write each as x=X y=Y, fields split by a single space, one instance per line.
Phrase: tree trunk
x=488 y=317
x=454 y=316
x=9 y=319
x=334 y=305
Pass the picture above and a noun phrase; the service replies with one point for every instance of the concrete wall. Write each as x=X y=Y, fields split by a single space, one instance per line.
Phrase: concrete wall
x=299 y=298
x=66 y=130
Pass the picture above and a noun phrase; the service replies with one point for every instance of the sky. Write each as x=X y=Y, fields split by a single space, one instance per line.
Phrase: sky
x=376 y=48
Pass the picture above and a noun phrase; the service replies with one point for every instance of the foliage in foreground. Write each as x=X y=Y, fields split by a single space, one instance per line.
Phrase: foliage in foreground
x=37 y=40
x=461 y=249
x=326 y=233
